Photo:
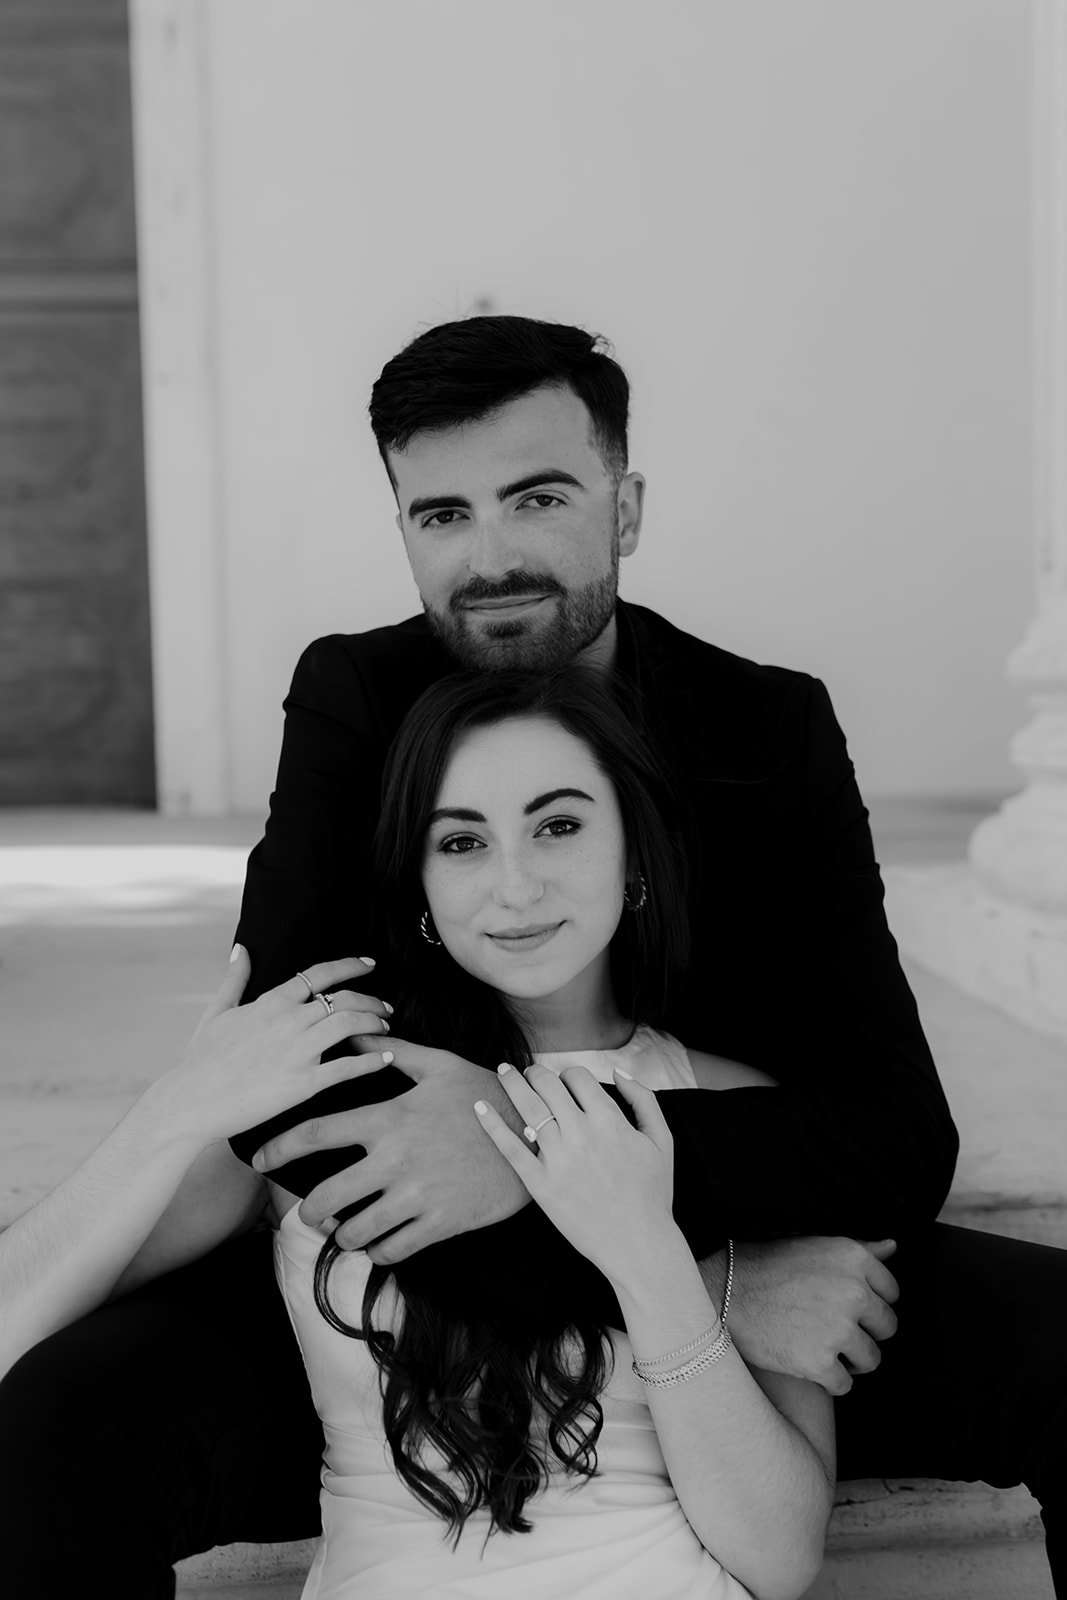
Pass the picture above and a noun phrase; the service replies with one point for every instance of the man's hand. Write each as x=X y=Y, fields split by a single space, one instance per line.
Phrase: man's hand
x=812 y=1308
x=428 y=1161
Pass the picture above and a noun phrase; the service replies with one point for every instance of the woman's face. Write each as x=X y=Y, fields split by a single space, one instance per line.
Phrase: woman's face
x=525 y=858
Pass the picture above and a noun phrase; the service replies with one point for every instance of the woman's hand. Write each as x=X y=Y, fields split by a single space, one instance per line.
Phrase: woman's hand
x=605 y=1184
x=245 y=1064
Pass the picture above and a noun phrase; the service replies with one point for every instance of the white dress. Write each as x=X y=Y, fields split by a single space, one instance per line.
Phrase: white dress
x=621 y=1534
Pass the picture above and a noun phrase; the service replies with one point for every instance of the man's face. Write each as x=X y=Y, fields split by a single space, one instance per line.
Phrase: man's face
x=514 y=528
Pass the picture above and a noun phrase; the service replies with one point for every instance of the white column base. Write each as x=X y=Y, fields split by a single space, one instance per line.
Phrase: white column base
x=1008 y=954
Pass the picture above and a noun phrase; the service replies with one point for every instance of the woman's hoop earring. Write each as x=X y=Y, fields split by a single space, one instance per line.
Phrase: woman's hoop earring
x=424 y=928
x=627 y=899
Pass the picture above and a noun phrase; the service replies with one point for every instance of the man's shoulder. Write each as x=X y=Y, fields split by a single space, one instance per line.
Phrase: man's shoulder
x=668 y=647
x=377 y=674
x=746 y=714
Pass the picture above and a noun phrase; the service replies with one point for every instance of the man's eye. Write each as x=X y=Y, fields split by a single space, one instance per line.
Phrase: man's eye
x=543 y=501
x=442 y=518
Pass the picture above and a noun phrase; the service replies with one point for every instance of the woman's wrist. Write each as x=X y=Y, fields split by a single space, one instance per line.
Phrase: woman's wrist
x=659 y=1269
x=165 y=1120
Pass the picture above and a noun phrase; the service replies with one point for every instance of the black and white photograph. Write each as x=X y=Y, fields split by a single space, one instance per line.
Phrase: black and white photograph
x=533 y=799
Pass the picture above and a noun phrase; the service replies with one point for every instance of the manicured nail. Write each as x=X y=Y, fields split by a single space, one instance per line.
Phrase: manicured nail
x=234 y=953
x=481 y=1107
x=385 y=1025
x=505 y=1066
x=387 y=1058
x=619 y=1073
x=258 y=1162
x=387 y=1008
x=368 y=961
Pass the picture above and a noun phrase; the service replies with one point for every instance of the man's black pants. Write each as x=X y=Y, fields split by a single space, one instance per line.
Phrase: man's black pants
x=180 y=1418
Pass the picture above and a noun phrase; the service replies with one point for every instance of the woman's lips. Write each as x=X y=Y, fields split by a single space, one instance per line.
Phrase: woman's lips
x=519 y=940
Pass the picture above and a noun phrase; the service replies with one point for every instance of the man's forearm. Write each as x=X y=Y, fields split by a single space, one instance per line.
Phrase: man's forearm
x=756 y=1164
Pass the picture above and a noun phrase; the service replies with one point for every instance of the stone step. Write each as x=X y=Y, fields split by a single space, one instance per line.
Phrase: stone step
x=915 y=1540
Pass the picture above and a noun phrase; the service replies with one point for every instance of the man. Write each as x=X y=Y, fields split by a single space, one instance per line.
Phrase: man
x=505 y=441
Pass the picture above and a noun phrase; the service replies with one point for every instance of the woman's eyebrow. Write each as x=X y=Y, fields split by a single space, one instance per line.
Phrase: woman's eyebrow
x=455 y=814
x=553 y=795
x=465 y=814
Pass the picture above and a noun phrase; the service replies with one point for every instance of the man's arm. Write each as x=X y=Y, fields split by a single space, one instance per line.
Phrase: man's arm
x=799 y=975
x=857 y=1140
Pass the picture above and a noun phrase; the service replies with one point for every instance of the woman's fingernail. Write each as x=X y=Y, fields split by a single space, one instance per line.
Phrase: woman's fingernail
x=387 y=1057
x=234 y=953
x=387 y=1008
x=505 y=1066
x=619 y=1073
x=385 y=1025
x=258 y=1161
x=368 y=961
x=481 y=1107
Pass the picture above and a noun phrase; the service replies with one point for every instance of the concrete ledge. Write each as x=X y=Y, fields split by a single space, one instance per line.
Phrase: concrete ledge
x=277 y=1570
x=914 y=1540
x=1006 y=954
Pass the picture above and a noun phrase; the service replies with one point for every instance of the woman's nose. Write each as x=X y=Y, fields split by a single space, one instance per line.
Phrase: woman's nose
x=517 y=884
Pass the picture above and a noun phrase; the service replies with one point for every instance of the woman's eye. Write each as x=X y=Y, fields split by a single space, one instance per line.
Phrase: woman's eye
x=559 y=827
x=459 y=844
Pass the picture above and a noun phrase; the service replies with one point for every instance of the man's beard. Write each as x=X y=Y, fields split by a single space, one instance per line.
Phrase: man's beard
x=526 y=644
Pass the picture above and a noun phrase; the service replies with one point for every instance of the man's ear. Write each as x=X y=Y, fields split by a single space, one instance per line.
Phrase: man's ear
x=630 y=504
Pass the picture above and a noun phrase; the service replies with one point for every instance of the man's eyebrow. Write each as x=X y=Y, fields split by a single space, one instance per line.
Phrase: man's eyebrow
x=534 y=480
x=459 y=502
x=438 y=502
x=553 y=795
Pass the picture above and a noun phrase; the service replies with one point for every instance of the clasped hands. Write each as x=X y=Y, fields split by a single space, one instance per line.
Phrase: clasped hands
x=816 y=1308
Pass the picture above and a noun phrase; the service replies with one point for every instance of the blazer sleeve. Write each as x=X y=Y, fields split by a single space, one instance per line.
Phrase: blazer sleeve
x=859 y=1139
x=307 y=887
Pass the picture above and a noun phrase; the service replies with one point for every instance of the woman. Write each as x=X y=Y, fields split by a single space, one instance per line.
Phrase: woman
x=531 y=820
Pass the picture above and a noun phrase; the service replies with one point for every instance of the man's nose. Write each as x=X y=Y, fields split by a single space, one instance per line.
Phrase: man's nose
x=494 y=552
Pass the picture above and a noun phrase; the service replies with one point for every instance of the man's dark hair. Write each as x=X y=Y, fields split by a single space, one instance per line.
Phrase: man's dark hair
x=464 y=371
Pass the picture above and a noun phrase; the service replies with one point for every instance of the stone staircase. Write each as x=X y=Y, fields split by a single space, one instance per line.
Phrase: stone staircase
x=134 y=938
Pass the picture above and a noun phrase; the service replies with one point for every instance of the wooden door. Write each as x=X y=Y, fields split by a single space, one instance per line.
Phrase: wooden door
x=75 y=671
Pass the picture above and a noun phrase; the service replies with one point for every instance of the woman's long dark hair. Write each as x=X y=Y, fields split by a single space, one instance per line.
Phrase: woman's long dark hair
x=474 y=1359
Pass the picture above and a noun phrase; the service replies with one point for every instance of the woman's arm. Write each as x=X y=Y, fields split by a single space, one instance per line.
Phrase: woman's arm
x=84 y=1241
x=751 y=1462
x=163 y=1187
x=751 y=1458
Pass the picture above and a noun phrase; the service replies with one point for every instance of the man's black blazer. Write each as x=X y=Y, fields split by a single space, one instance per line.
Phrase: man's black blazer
x=793 y=966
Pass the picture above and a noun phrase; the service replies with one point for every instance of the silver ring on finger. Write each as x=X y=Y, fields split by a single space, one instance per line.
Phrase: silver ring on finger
x=531 y=1133
x=311 y=987
x=327 y=1000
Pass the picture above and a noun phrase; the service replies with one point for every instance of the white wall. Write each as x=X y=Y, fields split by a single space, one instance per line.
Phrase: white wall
x=805 y=225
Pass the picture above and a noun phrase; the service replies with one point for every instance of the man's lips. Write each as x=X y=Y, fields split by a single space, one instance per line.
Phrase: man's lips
x=509 y=603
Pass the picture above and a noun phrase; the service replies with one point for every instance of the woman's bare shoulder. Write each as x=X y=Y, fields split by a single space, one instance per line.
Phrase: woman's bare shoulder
x=718 y=1072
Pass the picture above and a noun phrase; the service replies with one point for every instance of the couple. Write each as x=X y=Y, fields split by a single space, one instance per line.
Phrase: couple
x=186 y=1421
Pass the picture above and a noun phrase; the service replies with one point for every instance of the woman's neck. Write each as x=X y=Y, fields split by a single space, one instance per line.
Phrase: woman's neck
x=581 y=1016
